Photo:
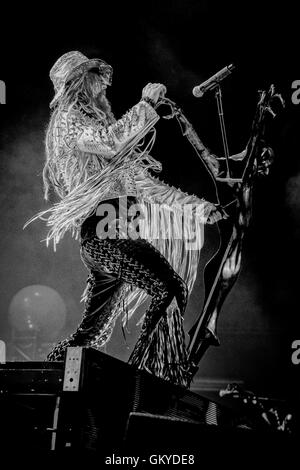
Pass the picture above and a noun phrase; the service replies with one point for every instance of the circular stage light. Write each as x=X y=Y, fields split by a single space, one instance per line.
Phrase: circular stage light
x=37 y=309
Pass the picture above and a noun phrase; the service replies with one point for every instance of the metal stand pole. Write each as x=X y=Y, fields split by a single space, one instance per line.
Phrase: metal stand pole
x=218 y=95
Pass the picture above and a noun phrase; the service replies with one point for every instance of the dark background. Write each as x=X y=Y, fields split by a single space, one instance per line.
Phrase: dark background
x=180 y=44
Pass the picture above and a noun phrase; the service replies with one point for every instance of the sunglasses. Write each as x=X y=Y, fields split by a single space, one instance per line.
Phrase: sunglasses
x=104 y=72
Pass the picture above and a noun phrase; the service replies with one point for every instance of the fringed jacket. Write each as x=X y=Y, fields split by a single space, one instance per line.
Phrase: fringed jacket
x=91 y=162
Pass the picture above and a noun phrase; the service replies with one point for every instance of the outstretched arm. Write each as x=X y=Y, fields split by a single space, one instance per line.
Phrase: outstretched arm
x=212 y=162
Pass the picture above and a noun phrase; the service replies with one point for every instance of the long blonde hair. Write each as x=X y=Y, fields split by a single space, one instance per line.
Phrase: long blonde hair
x=77 y=95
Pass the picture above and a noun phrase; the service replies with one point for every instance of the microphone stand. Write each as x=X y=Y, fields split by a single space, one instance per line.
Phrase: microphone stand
x=218 y=96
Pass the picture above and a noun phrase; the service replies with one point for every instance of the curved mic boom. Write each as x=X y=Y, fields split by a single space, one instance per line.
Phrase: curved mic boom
x=212 y=82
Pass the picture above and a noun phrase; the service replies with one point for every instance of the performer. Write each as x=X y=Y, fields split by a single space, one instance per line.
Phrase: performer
x=97 y=164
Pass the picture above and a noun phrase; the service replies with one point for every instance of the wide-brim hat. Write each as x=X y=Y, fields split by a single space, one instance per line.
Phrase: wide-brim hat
x=71 y=65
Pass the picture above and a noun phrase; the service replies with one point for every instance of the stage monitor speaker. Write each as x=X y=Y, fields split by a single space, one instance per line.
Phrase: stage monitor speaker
x=89 y=398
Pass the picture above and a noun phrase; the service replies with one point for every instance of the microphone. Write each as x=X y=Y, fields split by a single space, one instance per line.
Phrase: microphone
x=212 y=82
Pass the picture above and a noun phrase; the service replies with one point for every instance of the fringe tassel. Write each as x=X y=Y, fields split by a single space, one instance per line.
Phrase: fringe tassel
x=165 y=355
x=161 y=226
x=69 y=213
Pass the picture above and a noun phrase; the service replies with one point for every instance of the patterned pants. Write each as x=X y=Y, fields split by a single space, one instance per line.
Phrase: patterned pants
x=115 y=265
